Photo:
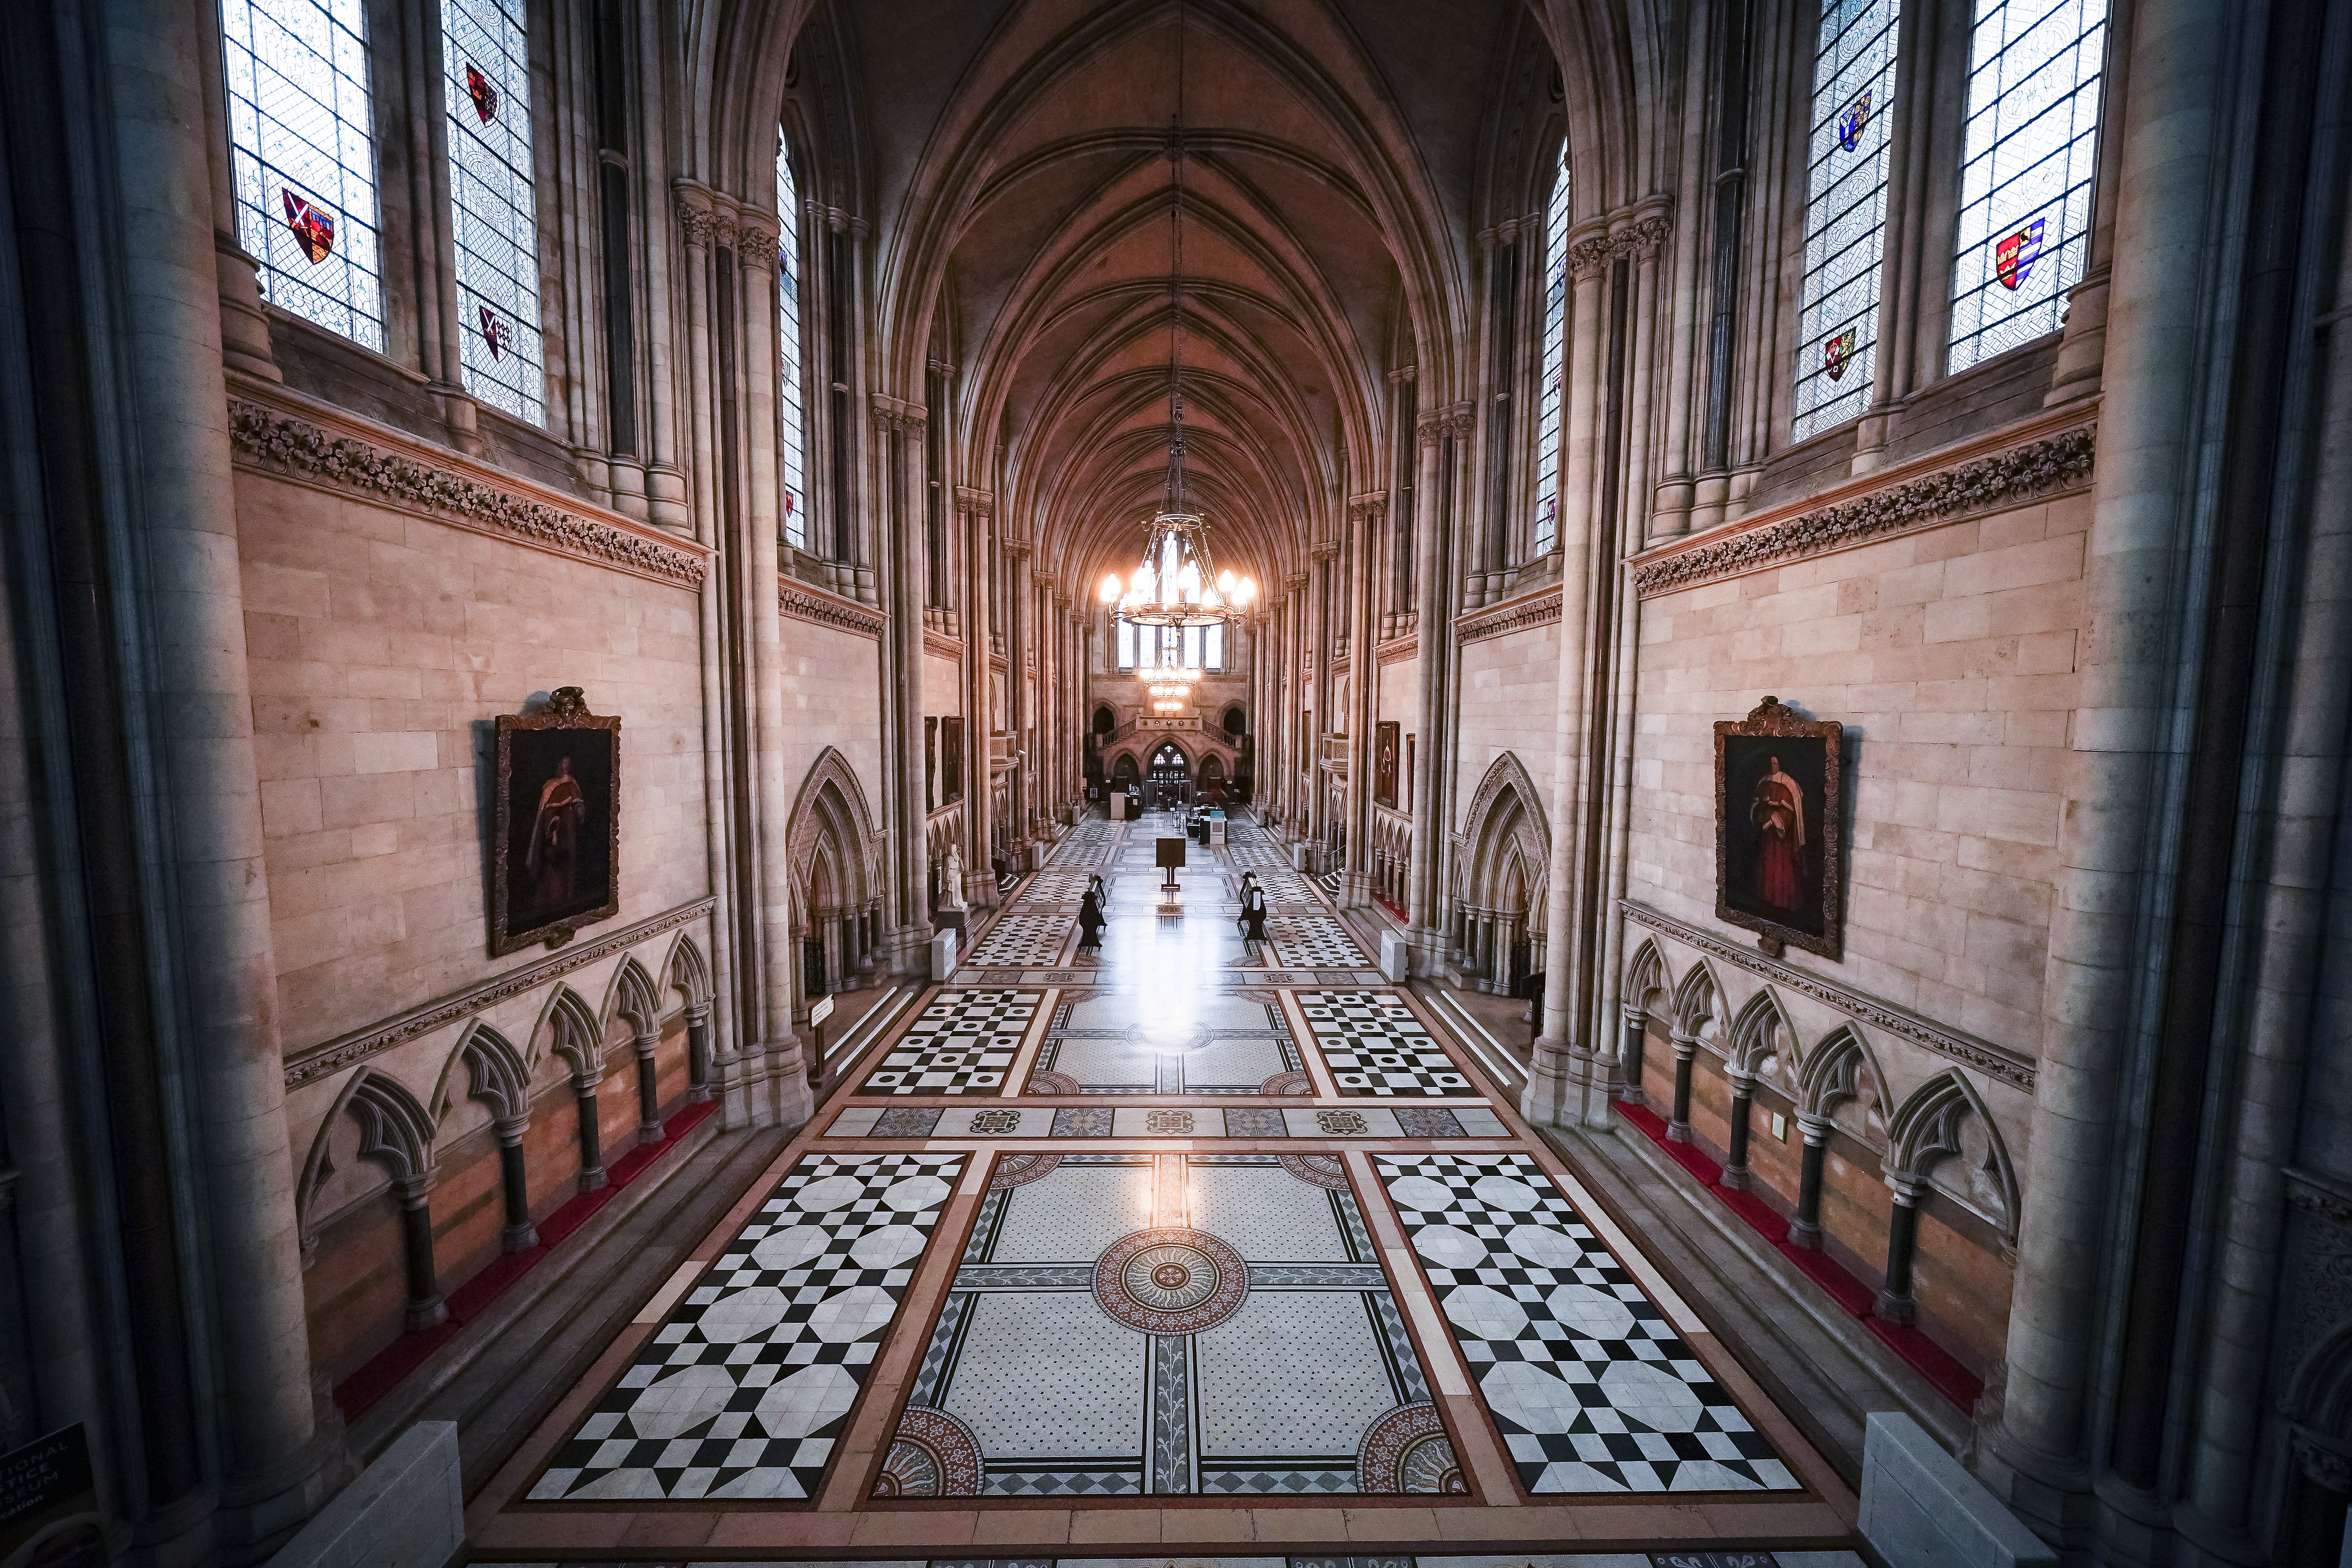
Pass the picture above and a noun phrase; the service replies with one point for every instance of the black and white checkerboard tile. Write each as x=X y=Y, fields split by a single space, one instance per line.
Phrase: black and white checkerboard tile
x=1056 y=888
x=1313 y=941
x=1590 y=1387
x=1375 y=1045
x=743 y=1390
x=1022 y=939
x=963 y=1043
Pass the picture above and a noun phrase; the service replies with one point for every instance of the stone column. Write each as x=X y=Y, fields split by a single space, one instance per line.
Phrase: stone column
x=2148 y=440
x=514 y=1186
x=1805 y=1230
x=1895 y=1303
x=649 y=1122
x=899 y=429
x=199 y=762
x=424 y=1307
x=1433 y=604
x=1678 y=1127
x=1582 y=532
x=1017 y=689
x=1634 y=1034
x=973 y=511
x=591 y=1135
x=1364 y=513
x=697 y=1051
x=1743 y=1108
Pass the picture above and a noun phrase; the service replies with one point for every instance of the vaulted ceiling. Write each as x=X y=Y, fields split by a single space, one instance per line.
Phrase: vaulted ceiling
x=1014 y=158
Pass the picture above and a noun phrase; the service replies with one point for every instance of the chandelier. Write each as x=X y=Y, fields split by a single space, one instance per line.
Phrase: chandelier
x=1177 y=583
x=1170 y=690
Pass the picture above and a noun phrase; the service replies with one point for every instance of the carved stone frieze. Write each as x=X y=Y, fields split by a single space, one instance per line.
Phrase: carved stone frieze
x=1995 y=1062
x=799 y=602
x=2058 y=462
x=2320 y=1196
x=1516 y=615
x=333 y=1056
x=275 y=442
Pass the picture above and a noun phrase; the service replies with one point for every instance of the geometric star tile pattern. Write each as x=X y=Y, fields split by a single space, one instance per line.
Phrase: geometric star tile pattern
x=743 y=1390
x=1375 y=1045
x=1591 y=1389
x=962 y=1043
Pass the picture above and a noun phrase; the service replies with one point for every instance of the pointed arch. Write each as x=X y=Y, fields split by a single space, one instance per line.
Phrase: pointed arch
x=396 y=1131
x=1761 y=1032
x=1697 y=999
x=575 y=1033
x=1933 y=1126
x=633 y=996
x=690 y=974
x=495 y=1073
x=1838 y=1069
x=831 y=821
x=1646 y=980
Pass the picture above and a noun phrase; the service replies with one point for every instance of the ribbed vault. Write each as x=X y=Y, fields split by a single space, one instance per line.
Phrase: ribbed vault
x=1014 y=159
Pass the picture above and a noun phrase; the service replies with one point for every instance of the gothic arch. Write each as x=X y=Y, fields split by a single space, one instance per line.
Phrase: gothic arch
x=1839 y=1068
x=1698 y=1000
x=689 y=975
x=1507 y=841
x=573 y=1032
x=1647 y=981
x=395 y=1133
x=1762 y=1036
x=495 y=1073
x=835 y=847
x=1944 y=1118
x=634 y=996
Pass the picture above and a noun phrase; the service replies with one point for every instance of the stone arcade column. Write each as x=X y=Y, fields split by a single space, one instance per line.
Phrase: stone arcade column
x=1016 y=692
x=2172 y=161
x=973 y=511
x=1364 y=513
x=898 y=432
x=1433 y=527
x=187 y=619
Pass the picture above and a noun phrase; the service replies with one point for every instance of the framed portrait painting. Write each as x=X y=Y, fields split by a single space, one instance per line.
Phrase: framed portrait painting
x=1779 y=828
x=556 y=850
x=1384 y=763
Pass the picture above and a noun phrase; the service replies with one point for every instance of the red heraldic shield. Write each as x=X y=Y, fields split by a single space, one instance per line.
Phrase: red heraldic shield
x=1838 y=353
x=314 y=231
x=496 y=332
x=484 y=96
x=2013 y=257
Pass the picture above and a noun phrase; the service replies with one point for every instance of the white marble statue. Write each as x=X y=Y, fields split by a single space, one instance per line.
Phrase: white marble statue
x=952 y=880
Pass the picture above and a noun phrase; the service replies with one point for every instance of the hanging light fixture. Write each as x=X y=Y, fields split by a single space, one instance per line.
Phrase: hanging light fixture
x=1177 y=583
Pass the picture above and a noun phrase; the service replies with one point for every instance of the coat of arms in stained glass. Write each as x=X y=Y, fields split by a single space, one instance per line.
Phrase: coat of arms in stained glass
x=2012 y=258
x=1838 y=353
x=484 y=96
x=314 y=230
x=1851 y=123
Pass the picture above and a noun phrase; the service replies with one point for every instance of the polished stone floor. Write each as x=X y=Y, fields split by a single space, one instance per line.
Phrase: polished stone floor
x=1186 y=1239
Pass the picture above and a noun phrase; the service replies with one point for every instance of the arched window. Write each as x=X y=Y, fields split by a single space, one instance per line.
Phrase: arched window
x=302 y=158
x=2025 y=181
x=1545 y=533
x=791 y=438
x=1845 y=212
x=486 y=50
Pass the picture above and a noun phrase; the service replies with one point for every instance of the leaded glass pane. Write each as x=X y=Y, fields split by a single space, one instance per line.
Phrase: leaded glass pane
x=485 y=48
x=2025 y=186
x=302 y=158
x=1845 y=211
x=791 y=427
x=1546 y=532
x=1126 y=645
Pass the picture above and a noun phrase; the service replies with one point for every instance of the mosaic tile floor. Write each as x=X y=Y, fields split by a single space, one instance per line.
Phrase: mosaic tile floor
x=1168 y=1229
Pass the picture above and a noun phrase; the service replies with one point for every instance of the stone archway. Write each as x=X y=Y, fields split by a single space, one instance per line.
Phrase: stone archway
x=837 y=871
x=1505 y=856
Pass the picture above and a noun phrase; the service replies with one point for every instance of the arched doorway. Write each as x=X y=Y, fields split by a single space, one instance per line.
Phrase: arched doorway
x=1212 y=780
x=1125 y=777
x=1171 y=777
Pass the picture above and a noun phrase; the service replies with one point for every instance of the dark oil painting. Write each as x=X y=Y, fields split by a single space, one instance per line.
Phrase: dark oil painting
x=558 y=834
x=1778 y=825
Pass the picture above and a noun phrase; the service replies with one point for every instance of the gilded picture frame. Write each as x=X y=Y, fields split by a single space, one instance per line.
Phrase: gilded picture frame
x=1780 y=828
x=555 y=847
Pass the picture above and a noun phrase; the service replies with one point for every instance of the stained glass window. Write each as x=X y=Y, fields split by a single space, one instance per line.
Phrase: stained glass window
x=790 y=415
x=2025 y=186
x=1555 y=359
x=1845 y=212
x=302 y=158
x=486 y=46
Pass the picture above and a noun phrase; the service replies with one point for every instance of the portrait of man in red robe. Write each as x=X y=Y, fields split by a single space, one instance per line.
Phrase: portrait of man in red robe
x=1777 y=811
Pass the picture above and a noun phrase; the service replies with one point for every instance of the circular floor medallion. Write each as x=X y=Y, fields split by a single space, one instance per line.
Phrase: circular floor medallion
x=1319 y=1169
x=1020 y=1170
x=932 y=1455
x=1287 y=1083
x=1407 y=1451
x=1044 y=1082
x=1171 y=1279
